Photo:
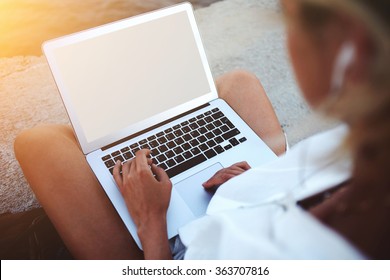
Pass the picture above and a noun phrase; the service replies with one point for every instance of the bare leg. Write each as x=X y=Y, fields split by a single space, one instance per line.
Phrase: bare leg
x=74 y=200
x=245 y=94
x=60 y=177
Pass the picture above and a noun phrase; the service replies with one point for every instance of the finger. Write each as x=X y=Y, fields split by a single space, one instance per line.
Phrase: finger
x=222 y=176
x=126 y=169
x=142 y=162
x=214 y=181
x=244 y=165
x=117 y=176
x=161 y=175
x=143 y=153
x=142 y=157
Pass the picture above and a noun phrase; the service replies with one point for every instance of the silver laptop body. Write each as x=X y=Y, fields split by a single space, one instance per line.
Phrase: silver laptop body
x=144 y=82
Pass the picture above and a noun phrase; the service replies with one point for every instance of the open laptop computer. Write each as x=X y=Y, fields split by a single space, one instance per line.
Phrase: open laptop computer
x=144 y=82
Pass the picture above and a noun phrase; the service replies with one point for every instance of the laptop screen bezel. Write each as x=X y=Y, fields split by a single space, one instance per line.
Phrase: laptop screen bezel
x=49 y=48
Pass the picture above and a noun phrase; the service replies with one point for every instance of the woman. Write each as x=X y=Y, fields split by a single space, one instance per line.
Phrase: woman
x=340 y=53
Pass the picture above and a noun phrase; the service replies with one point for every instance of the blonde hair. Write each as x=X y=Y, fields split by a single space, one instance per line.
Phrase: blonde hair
x=366 y=107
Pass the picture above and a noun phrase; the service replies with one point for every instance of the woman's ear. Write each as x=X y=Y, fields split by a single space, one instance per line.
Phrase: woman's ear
x=342 y=64
x=359 y=69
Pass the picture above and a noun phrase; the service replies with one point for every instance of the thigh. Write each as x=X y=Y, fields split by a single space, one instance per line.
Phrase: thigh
x=245 y=94
x=59 y=175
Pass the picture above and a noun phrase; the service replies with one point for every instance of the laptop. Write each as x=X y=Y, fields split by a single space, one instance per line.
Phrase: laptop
x=145 y=83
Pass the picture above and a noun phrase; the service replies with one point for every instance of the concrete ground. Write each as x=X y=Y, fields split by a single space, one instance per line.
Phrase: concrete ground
x=237 y=34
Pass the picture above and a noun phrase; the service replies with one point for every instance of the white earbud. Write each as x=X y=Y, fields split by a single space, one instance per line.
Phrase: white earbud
x=341 y=65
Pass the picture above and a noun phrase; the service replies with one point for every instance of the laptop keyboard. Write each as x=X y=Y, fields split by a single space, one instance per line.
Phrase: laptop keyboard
x=184 y=145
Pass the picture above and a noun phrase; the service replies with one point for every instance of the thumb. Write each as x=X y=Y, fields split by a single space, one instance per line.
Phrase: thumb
x=212 y=182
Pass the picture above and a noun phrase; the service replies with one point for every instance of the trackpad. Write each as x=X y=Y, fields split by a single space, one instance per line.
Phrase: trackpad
x=192 y=191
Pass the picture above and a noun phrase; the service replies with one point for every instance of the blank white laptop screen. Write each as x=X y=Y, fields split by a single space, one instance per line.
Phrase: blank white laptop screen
x=137 y=71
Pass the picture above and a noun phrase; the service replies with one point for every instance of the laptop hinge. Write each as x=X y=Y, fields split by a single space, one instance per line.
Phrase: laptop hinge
x=154 y=126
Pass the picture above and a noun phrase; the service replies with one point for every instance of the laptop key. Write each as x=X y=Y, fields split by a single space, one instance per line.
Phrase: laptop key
x=170 y=163
x=186 y=146
x=178 y=133
x=187 y=137
x=201 y=123
x=228 y=147
x=194 y=134
x=210 y=153
x=243 y=139
x=133 y=146
x=162 y=140
x=179 y=158
x=202 y=130
x=170 y=154
x=217 y=123
x=107 y=157
x=179 y=141
x=229 y=124
x=217 y=115
x=194 y=143
x=195 y=151
x=217 y=131
x=208 y=119
x=186 y=165
x=110 y=163
x=234 y=141
x=187 y=154
x=163 y=149
x=209 y=135
x=161 y=158
x=163 y=166
x=186 y=129
x=171 y=145
x=120 y=158
x=128 y=155
x=230 y=134
x=219 y=149
x=125 y=149
x=145 y=146
x=155 y=152
x=153 y=144
x=170 y=136
x=203 y=147
x=116 y=153
x=202 y=139
x=211 y=143
x=219 y=139
x=178 y=150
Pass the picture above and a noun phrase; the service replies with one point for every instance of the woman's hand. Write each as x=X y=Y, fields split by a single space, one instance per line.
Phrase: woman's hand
x=226 y=174
x=146 y=189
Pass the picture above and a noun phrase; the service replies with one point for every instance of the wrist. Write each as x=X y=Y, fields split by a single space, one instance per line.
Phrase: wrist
x=152 y=228
x=154 y=239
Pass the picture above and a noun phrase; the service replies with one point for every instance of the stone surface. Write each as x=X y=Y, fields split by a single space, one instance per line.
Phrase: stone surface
x=237 y=34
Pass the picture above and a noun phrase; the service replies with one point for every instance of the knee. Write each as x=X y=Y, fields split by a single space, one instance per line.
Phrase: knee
x=37 y=139
x=234 y=81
